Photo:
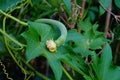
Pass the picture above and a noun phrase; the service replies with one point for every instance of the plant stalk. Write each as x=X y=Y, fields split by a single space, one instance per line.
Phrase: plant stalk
x=67 y=74
x=18 y=43
x=17 y=20
x=107 y=24
x=61 y=27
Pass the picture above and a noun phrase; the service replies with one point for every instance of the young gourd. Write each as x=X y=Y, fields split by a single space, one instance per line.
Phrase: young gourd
x=51 y=44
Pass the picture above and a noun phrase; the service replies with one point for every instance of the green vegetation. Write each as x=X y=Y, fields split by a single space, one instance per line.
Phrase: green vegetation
x=85 y=36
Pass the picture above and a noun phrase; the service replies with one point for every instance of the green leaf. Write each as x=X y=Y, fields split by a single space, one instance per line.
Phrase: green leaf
x=105 y=4
x=68 y=7
x=97 y=43
x=101 y=11
x=92 y=13
x=84 y=25
x=103 y=66
x=8 y=4
x=117 y=3
x=92 y=32
x=53 y=60
x=75 y=61
x=89 y=39
x=36 y=37
x=82 y=43
x=78 y=43
x=94 y=38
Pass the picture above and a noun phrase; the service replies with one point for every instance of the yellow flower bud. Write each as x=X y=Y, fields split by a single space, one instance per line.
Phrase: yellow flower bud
x=51 y=45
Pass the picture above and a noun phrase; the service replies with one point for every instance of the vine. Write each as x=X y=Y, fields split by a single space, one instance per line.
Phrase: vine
x=5 y=72
x=58 y=42
x=79 y=44
x=15 y=41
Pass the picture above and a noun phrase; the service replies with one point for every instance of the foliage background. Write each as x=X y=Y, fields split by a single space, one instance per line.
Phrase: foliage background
x=90 y=52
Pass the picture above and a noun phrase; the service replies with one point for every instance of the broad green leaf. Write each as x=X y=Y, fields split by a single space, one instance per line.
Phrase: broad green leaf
x=92 y=13
x=103 y=66
x=81 y=44
x=77 y=42
x=89 y=39
x=96 y=38
x=117 y=3
x=8 y=4
x=101 y=11
x=75 y=61
x=36 y=37
x=96 y=43
x=104 y=5
x=68 y=7
x=92 y=32
x=54 y=61
x=84 y=25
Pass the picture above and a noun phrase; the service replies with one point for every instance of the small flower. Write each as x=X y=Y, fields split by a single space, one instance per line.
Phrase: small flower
x=51 y=45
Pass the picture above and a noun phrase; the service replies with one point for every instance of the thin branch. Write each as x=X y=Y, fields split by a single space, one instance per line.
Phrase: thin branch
x=107 y=24
x=82 y=9
x=117 y=17
x=47 y=3
x=12 y=39
x=116 y=52
x=67 y=74
x=17 y=20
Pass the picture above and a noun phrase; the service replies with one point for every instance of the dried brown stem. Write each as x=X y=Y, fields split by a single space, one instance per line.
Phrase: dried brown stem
x=116 y=52
x=82 y=9
x=117 y=17
x=107 y=24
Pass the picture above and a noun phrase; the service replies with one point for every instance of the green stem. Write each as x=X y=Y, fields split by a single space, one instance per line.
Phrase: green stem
x=4 y=21
x=6 y=43
x=91 y=72
x=67 y=74
x=61 y=27
x=18 y=43
x=13 y=57
x=76 y=69
x=23 y=3
x=30 y=76
x=4 y=33
x=7 y=15
x=48 y=12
